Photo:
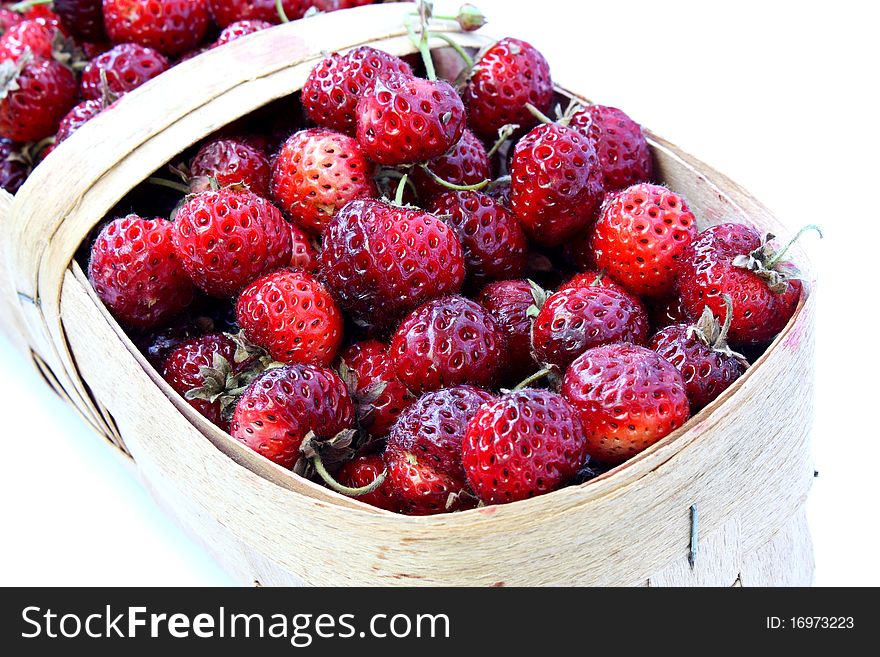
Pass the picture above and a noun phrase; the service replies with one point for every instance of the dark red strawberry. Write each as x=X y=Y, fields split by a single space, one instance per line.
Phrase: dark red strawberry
x=408 y=120
x=510 y=75
x=580 y=318
x=170 y=26
x=363 y=471
x=158 y=345
x=666 y=312
x=225 y=239
x=641 y=235
x=591 y=278
x=226 y=12
x=701 y=354
x=465 y=164
x=316 y=173
x=556 y=184
x=77 y=118
x=623 y=151
x=508 y=302
x=305 y=256
x=733 y=259
x=628 y=398
x=372 y=382
x=527 y=443
x=424 y=451
x=292 y=316
x=137 y=274
x=36 y=36
x=14 y=168
x=126 y=67
x=495 y=246
x=381 y=261
x=240 y=29
x=35 y=94
x=334 y=87
x=232 y=162
x=447 y=342
x=282 y=406
x=83 y=19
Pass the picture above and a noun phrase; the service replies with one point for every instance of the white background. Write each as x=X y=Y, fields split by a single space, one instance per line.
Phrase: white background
x=781 y=96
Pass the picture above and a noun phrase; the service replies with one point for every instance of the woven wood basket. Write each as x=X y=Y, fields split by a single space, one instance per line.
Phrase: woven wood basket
x=743 y=463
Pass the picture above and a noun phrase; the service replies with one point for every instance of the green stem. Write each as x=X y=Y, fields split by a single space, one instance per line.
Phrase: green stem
x=458 y=188
x=279 y=7
x=170 y=184
x=421 y=42
x=23 y=6
x=505 y=133
x=776 y=258
x=465 y=56
x=598 y=278
x=538 y=114
x=537 y=376
x=401 y=187
x=346 y=490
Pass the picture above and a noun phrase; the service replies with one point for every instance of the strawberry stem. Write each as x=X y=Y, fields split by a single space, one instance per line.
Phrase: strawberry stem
x=401 y=188
x=448 y=185
x=23 y=6
x=504 y=133
x=728 y=318
x=537 y=376
x=421 y=41
x=282 y=15
x=778 y=256
x=466 y=58
x=170 y=184
x=598 y=278
x=346 y=490
x=538 y=114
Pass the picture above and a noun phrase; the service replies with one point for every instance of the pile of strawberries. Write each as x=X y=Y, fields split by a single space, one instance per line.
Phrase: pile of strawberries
x=62 y=62
x=408 y=352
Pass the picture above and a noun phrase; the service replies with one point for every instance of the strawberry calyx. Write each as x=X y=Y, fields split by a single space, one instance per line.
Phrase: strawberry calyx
x=10 y=71
x=67 y=52
x=318 y=454
x=539 y=296
x=365 y=400
x=766 y=261
x=713 y=333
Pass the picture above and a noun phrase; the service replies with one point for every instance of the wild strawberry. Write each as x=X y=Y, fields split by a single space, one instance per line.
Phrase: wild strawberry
x=240 y=29
x=363 y=471
x=232 y=162
x=527 y=443
x=381 y=261
x=407 y=120
x=467 y=163
x=334 y=87
x=170 y=26
x=126 y=67
x=701 y=354
x=732 y=259
x=316 y=173
x=225 y=239
x=495 y=246
x=623 y=152
x=628 y=398
x=77 y=118
x=510 y=75
x=423 y=453
x=380 y=396
x=282 y=406
x=137 y=274
x=666 y=312
x=14 y=169
x=35 y=94
x=226 y=12
x=556 y=184
x=580 y=318
x=447 y=342
x=83 y=19
x=591 y=278
x=641 y=235
x=292 y=316
x=508 y=302
x=304 y=254
x=36 y=36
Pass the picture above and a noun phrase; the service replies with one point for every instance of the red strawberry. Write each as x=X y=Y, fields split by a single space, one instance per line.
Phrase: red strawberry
x=282 y=406
x=232 y=162
x=83 y=19
x=666 y=312
x=447 y=342
x=305 y=256
x=170 y=26
x=424 y=451
x=527 y=443
x=556 y=184
x=591 y=278
x=316 y=173
x=231 y=11
x=467 y=163
x=628 y=398
x=381 y=397
x=580 y=318
x=225 y=239
x=640 y=237
x=136 y=272
x=381 y=260
x=334 y=87
x=407 y=120
x=623 y=151
x=732 y=259
x=8 y=18
x=35 y=94
x=77 y=118
x=701 y=354
x=14 y=169
x=126 y=67
x=37 y=36
x=363 y=471
x=510 y=75
x=495 y=246
x=292 y=316
x=508 y=302
x=240 y=29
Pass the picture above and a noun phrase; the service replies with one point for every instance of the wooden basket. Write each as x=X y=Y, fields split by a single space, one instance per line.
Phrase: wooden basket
x=743 y=463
